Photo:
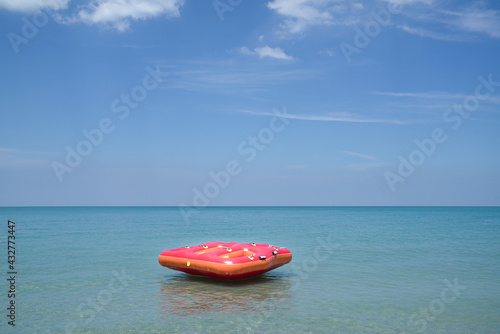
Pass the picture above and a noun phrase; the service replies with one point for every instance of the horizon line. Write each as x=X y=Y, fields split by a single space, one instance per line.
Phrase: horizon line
x=246 y=206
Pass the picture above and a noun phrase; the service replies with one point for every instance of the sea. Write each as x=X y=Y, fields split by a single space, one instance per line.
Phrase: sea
x=354 y=270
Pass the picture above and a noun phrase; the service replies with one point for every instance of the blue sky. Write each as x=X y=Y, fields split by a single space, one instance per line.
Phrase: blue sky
x=298 y=102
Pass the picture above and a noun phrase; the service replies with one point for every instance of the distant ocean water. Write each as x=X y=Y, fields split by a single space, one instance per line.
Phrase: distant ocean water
x=354 y=270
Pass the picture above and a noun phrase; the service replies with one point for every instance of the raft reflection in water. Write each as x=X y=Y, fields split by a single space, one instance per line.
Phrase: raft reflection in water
x=183 y=295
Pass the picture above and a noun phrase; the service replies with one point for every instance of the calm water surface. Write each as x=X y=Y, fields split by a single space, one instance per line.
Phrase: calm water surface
x=354 y=270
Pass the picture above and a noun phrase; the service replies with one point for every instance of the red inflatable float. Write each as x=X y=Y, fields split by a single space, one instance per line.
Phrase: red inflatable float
x=226 y=260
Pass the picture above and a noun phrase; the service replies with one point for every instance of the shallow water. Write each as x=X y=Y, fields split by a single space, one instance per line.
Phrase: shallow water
x=354 y=270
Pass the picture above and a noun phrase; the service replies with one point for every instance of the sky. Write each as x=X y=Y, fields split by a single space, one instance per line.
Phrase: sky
x=237 y=102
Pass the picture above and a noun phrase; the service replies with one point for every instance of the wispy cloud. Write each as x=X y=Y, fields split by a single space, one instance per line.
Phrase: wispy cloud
x=424 y=18
x=430 y=34
x=118 y=13
x=302 y=14
x=439 y=20
x=328 y=117
x=430 y=102
x=362 y=166
x=371 y=161
x=228 y=77
x=475 y=19
x=443 y=21
x=423 y=95
x=328 y=52
x=359 y=155
x=245 y=50
x=265 y=51
x=12 y=157
x=440 y=96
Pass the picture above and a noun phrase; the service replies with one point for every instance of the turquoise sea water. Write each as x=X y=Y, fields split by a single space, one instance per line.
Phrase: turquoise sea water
x=354 y=270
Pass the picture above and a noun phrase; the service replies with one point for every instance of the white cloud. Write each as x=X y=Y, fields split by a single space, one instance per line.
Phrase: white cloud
x=434 y=19
x=277 y=53
x=265 y=51
x=301 y=14
x=328 y=52
x=476 y=20
x=246 y=51
x=33 y=5
x=448 y=24
x=118 y=13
